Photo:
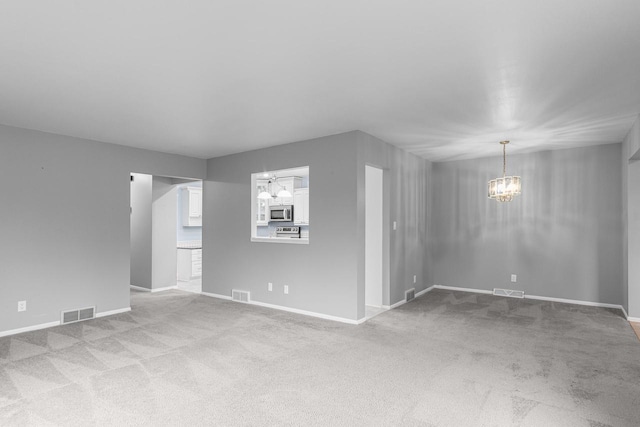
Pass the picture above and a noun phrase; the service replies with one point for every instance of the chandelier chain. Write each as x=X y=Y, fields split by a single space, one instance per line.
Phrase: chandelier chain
x=504 y=160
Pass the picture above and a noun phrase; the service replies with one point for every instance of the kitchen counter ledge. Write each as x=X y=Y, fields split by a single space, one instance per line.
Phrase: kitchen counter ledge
x=287 y=240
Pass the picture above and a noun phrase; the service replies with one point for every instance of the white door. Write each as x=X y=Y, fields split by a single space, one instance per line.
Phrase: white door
x=373 y=236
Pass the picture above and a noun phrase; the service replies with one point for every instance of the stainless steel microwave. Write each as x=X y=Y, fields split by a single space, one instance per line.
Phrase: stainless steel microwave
x=281 y=213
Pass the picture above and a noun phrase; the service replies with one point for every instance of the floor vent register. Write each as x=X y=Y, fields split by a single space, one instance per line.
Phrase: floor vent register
x=77 y=315
x=240 y=296
x=410 y=294
x=508 y=293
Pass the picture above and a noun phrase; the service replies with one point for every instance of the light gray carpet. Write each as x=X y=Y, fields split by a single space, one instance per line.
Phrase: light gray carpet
x=445 y=359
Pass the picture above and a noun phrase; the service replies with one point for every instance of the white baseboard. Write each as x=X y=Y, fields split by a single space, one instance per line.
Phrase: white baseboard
x=424 y=291
x=455 y=288
x=399 y=303
x=29 y=328
x=537 y=297
x=208 y=294
x=418 y=294
x=307 y=313
x=291 y=310
x=392 y=306
x=56 y=323
x=167 y=288
x=629 y=318
x=112 y=312
x=574 y=301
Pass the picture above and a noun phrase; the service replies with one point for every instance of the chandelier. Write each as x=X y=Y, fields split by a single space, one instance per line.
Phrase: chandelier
x=267 y=195
x=506 y=188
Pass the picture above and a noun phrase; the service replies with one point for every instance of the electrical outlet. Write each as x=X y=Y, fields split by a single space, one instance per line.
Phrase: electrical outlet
x=395 y=225
x=22 y=306
x=514 y=278
x=415 y=278
x=270 y=286
x=286 y=289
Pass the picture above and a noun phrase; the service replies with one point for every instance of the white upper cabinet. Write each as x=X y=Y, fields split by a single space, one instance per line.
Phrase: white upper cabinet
x=191 y=206
x=301 y=206
x=263 y=204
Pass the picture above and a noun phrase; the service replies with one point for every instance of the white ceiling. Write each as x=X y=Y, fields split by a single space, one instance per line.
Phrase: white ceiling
x=444 y=79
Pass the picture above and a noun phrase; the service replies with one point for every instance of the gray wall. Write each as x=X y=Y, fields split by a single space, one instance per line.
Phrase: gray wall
x=326 y=276
x=562 y=236
x=141 y=231
x=321 y=275
x=631 y=220
x=164 y=233
x=153 y=231
x=407 y=202
x=65 y=222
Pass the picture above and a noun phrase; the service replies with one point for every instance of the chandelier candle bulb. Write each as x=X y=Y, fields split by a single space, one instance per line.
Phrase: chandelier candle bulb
x=506 y=188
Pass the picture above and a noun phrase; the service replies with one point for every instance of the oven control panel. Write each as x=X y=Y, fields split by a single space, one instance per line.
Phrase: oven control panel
x=293 y=232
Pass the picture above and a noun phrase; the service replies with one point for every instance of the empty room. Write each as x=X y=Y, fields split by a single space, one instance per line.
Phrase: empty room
x=319 y=213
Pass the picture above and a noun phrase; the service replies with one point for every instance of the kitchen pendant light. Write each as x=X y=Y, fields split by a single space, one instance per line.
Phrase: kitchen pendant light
x=269 y=194
x=284 y=193
x=266 y=194
x=506 y=188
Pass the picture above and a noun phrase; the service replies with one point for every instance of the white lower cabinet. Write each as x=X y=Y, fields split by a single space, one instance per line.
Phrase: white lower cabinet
x=189 y=264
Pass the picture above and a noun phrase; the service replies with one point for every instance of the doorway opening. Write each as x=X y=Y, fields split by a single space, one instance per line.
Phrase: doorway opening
x=374 y=241
x=165 y=233
x=189 y=236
